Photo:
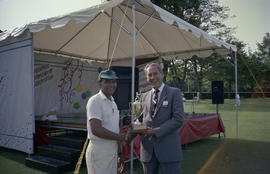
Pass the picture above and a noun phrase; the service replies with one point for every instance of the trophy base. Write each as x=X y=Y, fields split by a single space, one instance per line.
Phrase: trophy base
x=138 y=127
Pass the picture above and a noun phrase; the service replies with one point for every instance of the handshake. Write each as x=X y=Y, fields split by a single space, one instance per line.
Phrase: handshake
x=126 y=137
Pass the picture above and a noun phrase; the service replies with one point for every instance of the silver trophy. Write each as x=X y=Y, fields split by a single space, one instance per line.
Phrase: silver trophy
x=137 y=125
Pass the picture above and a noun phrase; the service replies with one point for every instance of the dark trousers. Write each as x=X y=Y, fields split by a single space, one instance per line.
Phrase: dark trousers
x=152 y=167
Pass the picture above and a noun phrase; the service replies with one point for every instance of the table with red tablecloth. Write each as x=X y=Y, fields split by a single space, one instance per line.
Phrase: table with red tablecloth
x=194 y=128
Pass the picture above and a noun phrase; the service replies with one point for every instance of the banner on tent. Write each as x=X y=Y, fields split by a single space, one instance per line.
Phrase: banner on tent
x=63 y=85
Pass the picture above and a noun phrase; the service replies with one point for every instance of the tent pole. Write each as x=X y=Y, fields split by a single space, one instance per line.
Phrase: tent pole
x=133 y=79
x=236 y=91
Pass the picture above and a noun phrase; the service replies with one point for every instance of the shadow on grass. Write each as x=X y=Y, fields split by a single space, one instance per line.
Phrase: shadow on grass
x=12 y=161
x=207 y=156
x=12 y=155
x=195 y=154
x=230 y=156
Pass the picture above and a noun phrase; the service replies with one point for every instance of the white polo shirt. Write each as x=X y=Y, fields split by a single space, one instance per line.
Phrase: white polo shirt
x=100 y=107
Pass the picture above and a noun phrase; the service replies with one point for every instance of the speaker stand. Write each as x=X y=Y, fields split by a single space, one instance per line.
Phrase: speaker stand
x=193 y=107
x=217 y=108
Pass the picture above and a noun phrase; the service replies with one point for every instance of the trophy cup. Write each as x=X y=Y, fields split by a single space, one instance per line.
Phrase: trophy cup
x=137 y=125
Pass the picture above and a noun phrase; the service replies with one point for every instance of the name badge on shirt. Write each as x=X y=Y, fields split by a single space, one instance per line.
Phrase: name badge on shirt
x=165 y=103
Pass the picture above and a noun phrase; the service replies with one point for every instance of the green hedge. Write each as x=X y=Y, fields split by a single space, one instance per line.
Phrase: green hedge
x=227 y=95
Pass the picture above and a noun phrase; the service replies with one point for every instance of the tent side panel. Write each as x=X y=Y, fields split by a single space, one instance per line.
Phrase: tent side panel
x=17 y=93
x=63 y=86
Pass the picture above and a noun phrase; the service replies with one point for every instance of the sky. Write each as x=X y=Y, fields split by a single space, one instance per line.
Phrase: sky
x=15 y=13
x=252 y=19
x=252 y=16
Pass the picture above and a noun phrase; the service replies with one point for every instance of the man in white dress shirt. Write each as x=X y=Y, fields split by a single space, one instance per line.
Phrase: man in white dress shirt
x=103 y=127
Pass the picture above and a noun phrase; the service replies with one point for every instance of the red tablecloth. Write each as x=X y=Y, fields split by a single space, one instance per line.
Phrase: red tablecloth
x=199 y=127
x=136 y=146
x=193 y=129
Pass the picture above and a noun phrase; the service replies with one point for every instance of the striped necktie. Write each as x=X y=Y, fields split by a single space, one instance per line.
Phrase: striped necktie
x=155 y=101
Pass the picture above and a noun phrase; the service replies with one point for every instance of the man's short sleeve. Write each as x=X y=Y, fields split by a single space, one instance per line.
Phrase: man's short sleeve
x=94 y=109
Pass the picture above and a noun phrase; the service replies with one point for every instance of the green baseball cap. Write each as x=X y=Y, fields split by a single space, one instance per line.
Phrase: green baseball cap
x=107 y=74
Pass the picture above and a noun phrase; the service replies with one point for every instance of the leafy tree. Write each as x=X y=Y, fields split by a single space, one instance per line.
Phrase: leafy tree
x=253 y=69
x=264 y=50
x=250 y=68
x=263 y=55
x=178 y=73
x=207 y=15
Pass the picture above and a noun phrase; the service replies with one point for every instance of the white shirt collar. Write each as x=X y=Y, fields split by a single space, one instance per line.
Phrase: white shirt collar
x=160 y=88
x=103 y=96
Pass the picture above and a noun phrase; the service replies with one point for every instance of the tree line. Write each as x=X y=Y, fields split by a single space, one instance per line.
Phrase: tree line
x=196 y=74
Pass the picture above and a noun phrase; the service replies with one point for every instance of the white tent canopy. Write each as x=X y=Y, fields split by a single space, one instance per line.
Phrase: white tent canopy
x=94 y=34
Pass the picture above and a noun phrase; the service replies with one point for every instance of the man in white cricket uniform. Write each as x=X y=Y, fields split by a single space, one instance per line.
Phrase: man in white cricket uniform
x=103 y=127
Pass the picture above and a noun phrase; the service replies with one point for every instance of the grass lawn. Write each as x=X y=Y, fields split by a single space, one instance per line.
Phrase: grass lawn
x=249 y=153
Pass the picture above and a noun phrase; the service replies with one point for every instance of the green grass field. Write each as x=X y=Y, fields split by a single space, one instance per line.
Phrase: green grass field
x=249 y=153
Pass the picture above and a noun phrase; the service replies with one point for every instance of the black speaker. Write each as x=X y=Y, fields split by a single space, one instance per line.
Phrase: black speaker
x=217 y=92
x=122 y=94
